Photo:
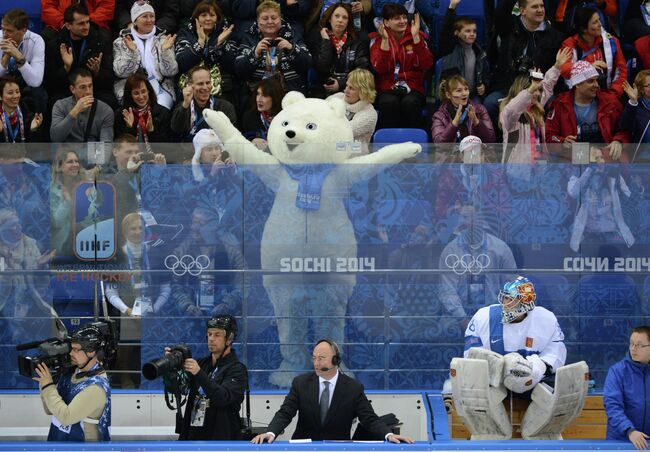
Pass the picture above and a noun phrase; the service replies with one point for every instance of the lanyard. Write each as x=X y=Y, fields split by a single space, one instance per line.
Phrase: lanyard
x=211 y=377
x=396 y=71
x=195 y=119
x=10 y=133
x=144 y=265
x=83 y=48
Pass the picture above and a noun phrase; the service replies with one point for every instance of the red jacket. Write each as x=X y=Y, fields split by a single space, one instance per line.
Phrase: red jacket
x=610 y=9
x=414 y=60
x=561 y=119
x=101 y=12
x=619 y=64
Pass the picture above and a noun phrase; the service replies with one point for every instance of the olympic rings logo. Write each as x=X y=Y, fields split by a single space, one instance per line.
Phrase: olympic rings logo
x=467 y=263
x=187 y=264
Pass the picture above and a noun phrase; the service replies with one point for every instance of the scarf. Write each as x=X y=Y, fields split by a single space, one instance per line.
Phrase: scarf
x=310 y=179
x=266 y=119
x=196 y=119
x=145 y=44
x=338 y=43
x=141 y=118
x=12 y=125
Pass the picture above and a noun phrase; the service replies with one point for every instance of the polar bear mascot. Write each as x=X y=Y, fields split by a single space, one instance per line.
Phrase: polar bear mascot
x=515 y=346
x=310 y=169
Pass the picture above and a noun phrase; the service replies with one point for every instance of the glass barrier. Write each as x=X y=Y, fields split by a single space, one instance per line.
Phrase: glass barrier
x=389 y=254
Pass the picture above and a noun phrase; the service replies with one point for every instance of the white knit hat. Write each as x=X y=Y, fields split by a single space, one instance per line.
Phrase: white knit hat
x=202 y=139
x=139 y=8
x=580 y=72
x=468 y=141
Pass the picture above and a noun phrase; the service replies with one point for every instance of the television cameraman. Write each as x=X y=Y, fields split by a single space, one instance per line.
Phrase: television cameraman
x=80 y=403
x=217 y=386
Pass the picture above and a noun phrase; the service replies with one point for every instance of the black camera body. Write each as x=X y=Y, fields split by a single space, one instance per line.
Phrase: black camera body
x=169 y=363
x=523 y=64
x=274 y=42
x=400 y=90
x=55 y=351
x=55 y=354
x=147 y=157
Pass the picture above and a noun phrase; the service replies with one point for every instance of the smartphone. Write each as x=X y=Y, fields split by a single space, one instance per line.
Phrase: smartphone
x=535 y=75
x=330 y=81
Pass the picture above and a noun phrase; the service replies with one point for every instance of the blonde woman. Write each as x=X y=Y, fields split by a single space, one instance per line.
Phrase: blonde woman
x=522 y=114
x=359 y=95
x=66 y=174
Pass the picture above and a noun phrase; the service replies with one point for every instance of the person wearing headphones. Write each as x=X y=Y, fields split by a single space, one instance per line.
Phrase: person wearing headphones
x=217 y=386
x=80 y=404
x=328 y=402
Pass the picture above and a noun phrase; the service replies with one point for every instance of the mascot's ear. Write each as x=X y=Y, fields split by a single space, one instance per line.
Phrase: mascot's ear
x=291 y=98
x=337 y=106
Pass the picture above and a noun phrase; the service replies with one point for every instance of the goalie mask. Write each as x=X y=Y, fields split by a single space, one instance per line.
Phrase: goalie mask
x=516 y=298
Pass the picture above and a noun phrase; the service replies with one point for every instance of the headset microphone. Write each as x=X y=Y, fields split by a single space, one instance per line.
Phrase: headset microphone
x=325 y=369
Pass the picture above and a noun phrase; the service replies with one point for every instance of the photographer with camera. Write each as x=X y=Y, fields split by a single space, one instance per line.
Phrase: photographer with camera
x=217 y=386
x=80 y=403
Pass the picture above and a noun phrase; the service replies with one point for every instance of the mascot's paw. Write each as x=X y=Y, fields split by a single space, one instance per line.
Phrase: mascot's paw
x=403 y=150
x=220 y=123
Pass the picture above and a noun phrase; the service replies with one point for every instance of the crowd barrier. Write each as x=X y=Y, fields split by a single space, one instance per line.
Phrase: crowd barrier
x=407 y=251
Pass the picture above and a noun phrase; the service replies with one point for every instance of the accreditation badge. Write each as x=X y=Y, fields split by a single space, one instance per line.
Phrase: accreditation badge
x=198 y=412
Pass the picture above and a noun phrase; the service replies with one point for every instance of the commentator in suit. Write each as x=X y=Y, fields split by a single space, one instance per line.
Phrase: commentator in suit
x=327 y=401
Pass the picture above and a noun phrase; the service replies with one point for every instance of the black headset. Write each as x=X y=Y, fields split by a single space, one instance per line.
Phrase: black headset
x=336 y=359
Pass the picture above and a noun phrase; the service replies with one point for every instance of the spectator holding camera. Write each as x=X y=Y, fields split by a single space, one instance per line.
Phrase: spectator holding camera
x=80 y=403
x=270 y=47
x=462 y=54
x=81 y=118
x=142 y=116
x=400 y=58
x=595 y=46
x=522 y=113
x=587 y=114
x=218 y=383
x=527 y=41
x=340 y=50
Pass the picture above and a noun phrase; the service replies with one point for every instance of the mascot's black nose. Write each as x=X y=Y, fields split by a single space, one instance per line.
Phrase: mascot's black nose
x=290 y=133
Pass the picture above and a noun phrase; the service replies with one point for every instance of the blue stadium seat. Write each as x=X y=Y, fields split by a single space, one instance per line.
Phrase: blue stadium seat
x=397 y=135
x=436 y=77
x=472 y=8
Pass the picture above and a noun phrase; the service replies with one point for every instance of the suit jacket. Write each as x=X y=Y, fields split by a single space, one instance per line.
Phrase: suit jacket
x=348 y=402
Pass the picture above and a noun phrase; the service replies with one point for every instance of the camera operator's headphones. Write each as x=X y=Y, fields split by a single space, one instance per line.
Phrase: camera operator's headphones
x=336 y=359
x=226 y=323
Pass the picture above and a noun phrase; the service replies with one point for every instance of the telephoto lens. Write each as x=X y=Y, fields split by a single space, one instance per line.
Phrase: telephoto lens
x=169 y=363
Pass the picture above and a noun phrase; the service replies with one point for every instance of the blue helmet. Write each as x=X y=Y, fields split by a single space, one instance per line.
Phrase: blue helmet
x=516 y=298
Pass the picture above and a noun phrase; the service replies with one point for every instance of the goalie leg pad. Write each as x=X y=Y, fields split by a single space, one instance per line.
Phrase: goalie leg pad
x=552 y=410
x=477 y=402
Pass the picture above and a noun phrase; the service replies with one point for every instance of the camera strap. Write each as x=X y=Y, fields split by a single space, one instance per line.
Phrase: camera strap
x=91 y=118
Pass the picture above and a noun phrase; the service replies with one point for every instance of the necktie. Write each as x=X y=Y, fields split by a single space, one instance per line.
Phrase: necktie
x=324 y=402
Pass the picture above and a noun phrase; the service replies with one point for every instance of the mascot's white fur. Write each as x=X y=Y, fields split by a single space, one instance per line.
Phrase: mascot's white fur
x=310 y=169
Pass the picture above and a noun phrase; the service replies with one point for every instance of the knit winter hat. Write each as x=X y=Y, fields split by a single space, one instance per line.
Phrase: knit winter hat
x=139 y=8
x=202 y=139
x=468 y=141
x=580 y=72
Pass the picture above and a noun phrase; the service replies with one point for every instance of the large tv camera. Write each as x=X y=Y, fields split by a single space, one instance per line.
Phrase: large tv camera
x=55 y=351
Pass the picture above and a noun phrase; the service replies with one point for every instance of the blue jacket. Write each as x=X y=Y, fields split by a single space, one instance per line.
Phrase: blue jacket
x=635 y=119
x=626 y=398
